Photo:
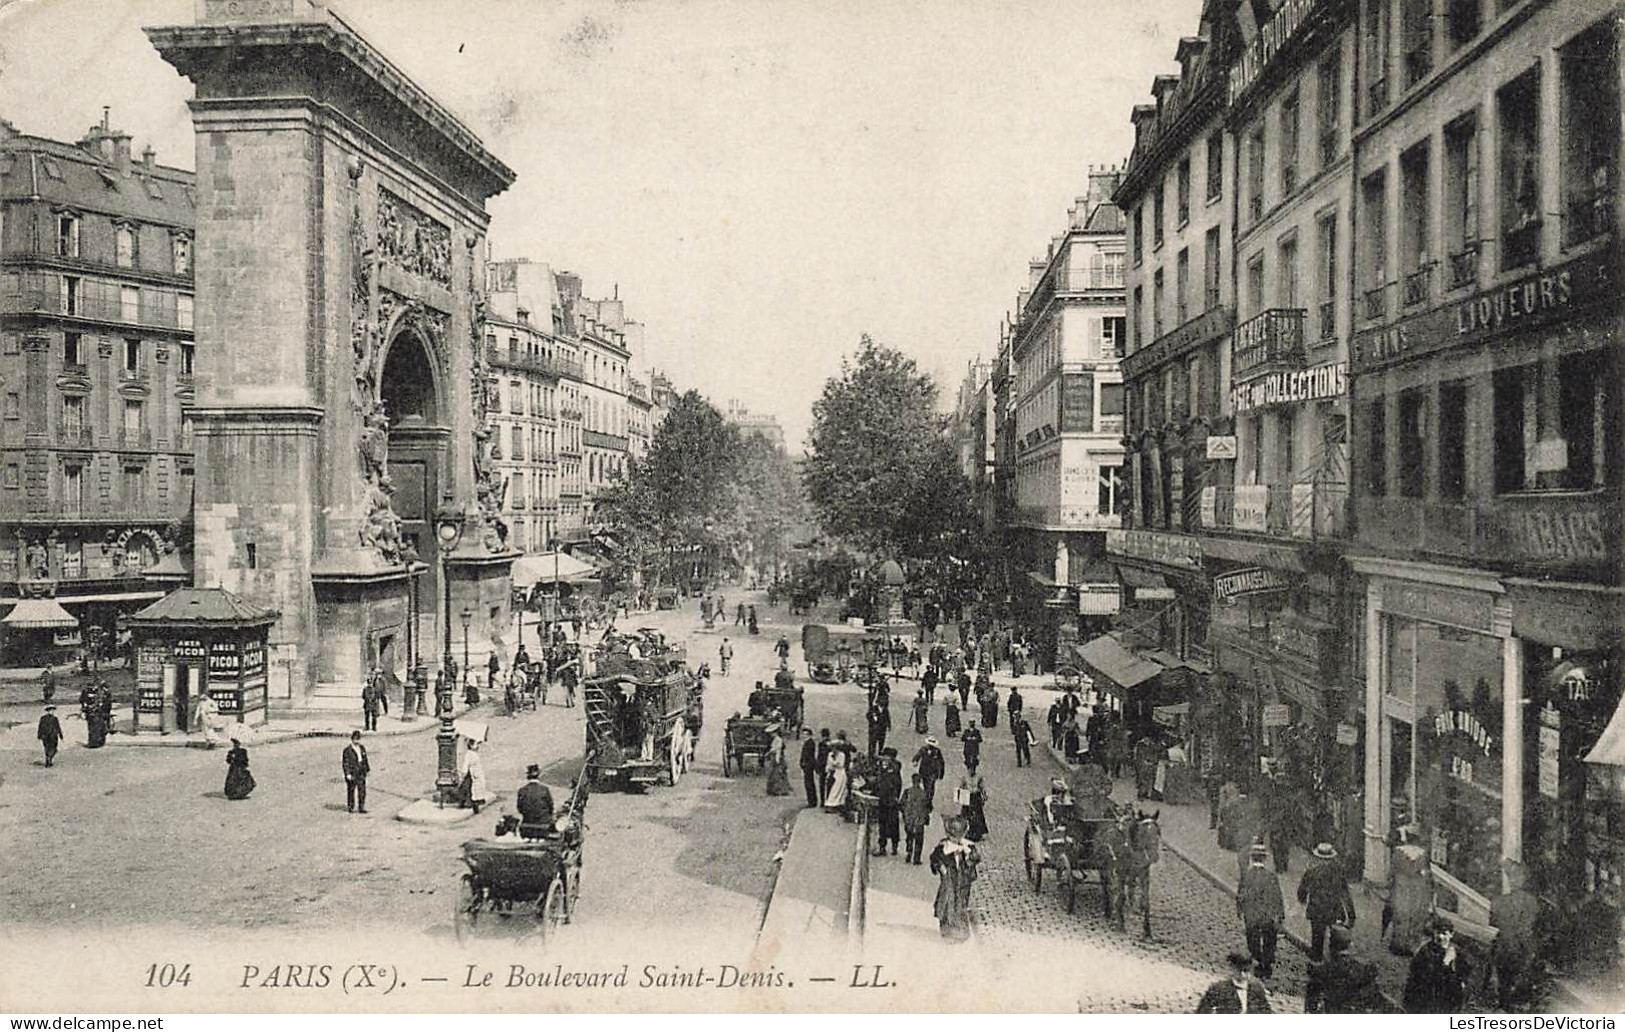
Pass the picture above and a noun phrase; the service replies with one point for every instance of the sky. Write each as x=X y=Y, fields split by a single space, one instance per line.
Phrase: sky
x=763 y=181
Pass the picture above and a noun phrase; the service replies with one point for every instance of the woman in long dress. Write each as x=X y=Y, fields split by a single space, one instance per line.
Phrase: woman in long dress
x=778 y=778
x=835 y=766
x=950 y=723
x=922 y=714
x=954 y=861
x=479 y=793
x=973 y=805
x=239 y=782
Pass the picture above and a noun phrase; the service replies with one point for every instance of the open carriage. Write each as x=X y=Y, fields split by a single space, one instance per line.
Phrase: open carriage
x=1085 y=839
x=637 y=722
x=523 y=887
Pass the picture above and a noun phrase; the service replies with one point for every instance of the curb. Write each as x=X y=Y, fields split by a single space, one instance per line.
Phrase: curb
x=144 y=740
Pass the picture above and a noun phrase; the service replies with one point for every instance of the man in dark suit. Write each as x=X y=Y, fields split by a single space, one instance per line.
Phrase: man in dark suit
x=50 y=733
x=1238 y=994
x=535 y=805
x=809 y=766
x=1324 y=892
x=1259 y=904
x=373 y=699
x=356 y=769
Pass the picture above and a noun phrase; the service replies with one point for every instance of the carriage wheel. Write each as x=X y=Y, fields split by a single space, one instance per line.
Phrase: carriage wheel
x=674 y=760
x=1032 y=855
x=1069 y=882
x=467 y=913
x=555 y=908
x=575 y=889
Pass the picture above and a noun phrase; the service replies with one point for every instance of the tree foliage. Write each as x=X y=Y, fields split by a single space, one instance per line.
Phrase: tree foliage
x=880 y=472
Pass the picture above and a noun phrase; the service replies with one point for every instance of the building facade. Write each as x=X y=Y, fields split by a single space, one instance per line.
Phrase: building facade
x=1487 y=455
x=607 y=339
x=758 y=424
x=639 y=422
x=97 y=359
x=1066 y=414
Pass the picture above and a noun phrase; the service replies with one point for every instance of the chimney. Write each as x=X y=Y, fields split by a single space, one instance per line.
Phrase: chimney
x=147 y=156
x=7 y=130
x=1103 y=182
x=1035 y=272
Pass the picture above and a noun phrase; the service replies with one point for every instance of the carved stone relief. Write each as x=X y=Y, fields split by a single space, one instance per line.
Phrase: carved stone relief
x=412 y=241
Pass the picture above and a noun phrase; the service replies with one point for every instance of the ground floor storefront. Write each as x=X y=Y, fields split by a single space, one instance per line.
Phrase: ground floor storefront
x=1486 y=700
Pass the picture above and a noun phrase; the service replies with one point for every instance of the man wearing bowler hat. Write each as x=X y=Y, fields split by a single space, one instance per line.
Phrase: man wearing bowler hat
x=1259 y=904
x=535 y=805
x=50 y=734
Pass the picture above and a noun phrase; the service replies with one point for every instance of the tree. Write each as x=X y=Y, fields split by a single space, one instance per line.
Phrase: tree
x=876 y=442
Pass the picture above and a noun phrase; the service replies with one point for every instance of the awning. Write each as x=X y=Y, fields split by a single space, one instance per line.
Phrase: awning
x=1147 y=586
x=113 y=596
x=1170 y=716
x=1610 y=747
x=539 y=569
x=39 y=614
x=1106 y=656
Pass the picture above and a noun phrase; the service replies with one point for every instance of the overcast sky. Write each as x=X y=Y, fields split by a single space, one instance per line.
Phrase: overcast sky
x=765 y=180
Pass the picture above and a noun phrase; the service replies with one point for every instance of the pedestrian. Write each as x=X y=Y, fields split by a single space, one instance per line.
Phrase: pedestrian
x=705 y=610
x=493 y=667
x=47 y=685
x=971 y=795
x=739 y=615
x=972 y=741
x=922 y=713
x=1148 y=752
x=916 y=807
x=475 y=790
x=1325 y=895
x=1342 y=985
x=239 y=782
x=928 y=684
x=954 y=861
x=822 y=757
x=1022 y=732
x=1071 y=740
x=1514 y=915
x=1014 y=702
x=963 y=684
x=753 y=627
x=1261 y=909
x=1437 y=982
x=356 y=769
x=1116 y=746
x=782 y=647
x=372 y=698
x=50 y=733
x=725 y=655
x=1055 y=722
x=1281 y=816
x=835 y=797
x=778 y=777
x=809 y=767
x=1238 y=994
x=931 y=765
x=888 y=786
x=879 y=720
x=950 y=722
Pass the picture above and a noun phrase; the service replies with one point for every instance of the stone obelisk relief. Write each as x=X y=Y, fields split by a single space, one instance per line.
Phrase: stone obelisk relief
x=341 y=404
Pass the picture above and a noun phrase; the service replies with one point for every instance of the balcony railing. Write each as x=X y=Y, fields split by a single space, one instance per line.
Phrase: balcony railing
x=547 y=365
x=139 y=437
x=1270 y=340
x=1417 y=285
x=1464 y=268
x=1563 y=530
x=1307 y=511
x=79 y=437
x=570 y=415
x=596 y=439
x=1376 y=302
x=47 y=302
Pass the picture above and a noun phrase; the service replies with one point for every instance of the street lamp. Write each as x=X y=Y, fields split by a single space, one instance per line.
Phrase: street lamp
x=449 y=531
x=468 y=679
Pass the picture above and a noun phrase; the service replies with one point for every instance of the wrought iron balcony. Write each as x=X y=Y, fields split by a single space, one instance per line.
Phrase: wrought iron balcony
x=1521 y=246
x=1589 y=216
x=1376 y=302
x=1417 y=285
x=1269 y=341
x=1306 y=511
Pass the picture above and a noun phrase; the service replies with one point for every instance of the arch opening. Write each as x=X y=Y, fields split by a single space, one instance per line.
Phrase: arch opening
x=407 y=387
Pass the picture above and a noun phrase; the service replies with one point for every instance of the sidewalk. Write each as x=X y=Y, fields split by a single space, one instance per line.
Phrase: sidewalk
x=338 y=725
x=806 y=924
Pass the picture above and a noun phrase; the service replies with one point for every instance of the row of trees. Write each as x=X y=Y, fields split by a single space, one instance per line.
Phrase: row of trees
x=706 y=498
x=883 y=475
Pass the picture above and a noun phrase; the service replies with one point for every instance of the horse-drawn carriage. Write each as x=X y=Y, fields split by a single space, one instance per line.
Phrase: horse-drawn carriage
x=835 y=652
x=524 y=885
x=638 y=721
x=1085 y=839
x=777 y=706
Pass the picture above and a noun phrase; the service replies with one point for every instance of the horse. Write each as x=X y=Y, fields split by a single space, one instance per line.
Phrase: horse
x=1125 y=851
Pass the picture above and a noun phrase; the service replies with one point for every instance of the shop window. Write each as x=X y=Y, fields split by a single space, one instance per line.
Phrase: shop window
x=1518 y=124
x=1376 y=452
x=1193 y=385
x=1413 y=435
x=1453 y=440
x=1215 y=166
x=1590 y=136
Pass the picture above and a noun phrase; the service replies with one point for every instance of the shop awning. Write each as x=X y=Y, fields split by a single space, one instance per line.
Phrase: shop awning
x=539 y=569
x=1147 y=586
x=1106 y=656
x=39 y=614
x=1610 y=747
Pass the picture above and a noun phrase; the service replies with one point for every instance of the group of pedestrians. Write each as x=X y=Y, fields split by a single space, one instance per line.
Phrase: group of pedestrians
x=826 y=765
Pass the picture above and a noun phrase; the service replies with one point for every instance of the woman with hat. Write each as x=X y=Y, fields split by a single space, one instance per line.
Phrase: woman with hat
x=950 y=723
x=954 y=861
x=239 y=782
x=972 y=798
x=922 y=713
x=479 y=792
x=778 y=780
x=1437 y=982
x=835 y=794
